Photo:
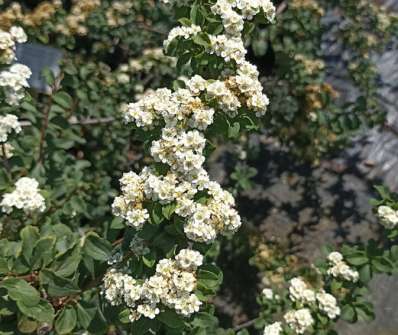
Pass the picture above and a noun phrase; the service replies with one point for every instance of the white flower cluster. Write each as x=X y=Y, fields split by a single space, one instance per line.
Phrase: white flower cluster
x=268 y=294
x=299 y=320
x=204 y=221
x=6 y=151
x=26 y=196
x=299 y=291
x=184 y=32
x=273 y=329
x=8 y=124
x=328 y=304
x=14 y=79
x=388 y=216
x=172 y=285
x=247 y=9
x=8 y=42
x=182 y=116
x=340 y=269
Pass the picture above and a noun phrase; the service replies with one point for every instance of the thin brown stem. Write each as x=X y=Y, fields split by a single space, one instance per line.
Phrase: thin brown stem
x=281 y=7
x=5 y=161
x=147 y=27
x=84 y=122
x=43 y=132
x=245 y=325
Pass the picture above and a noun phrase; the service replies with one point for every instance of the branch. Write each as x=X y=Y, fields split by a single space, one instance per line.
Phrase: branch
x=245 y=325
x=5 y=161
x=147 y=27
x=75 y=122
x=281 y=7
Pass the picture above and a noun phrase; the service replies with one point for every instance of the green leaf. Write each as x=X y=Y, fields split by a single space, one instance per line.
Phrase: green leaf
x=20 y=290
x=365 y=273
x=202 y=39
x=233 y=131
x=43 y=311
x=83 y=316
x=43 y=252
x=143 y=325
x=97 y=247
x=63 y=99
x=185 y=22
x=168 y=210
x=209 y=277
x=171 y=319
x=57 y=286
x=66 y=321
x=29 y=236
x=357 y=260
x=26 y=326
x=124 y=316
x=66 y=265
x=204 y=320
x=348 y=313
x=382 y=264
x=48 y=76
x=156 y=214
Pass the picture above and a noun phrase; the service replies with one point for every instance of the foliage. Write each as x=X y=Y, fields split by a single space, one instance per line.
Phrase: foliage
x=75 y=145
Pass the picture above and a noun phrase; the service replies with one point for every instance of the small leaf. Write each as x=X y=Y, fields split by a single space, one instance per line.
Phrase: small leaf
x=84 y=317
x=43 y=252
x=348 y=313
x=26 y=326
x=168 y=210
x=97 y=247
x=57 y=286
x=156 y=214
x=20 y=290
x=66 y=321
x=171 y=319
x=63 y=99
x=42 y=312
x=29 y=236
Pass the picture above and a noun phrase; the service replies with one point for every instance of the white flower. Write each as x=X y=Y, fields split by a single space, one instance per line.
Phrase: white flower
x=328 y=304
x=388 y=216
x=26 y=196
x=6 y=41
x=184 y=32
x=342 y=270
x=18 y=34
x=300 y=292
x=8 y=124
x=335 y=257
x=268 y=293
x=14 y=80
x=273 y=329
x=172 y=285
x=299 y=320
x=148 y=311
x=189 y=259
x=8 y=151
x=137 y=217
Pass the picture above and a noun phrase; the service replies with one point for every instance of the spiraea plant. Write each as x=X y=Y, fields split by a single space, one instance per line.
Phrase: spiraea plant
x=172 y=206
x=161 y=276
x=80 y=252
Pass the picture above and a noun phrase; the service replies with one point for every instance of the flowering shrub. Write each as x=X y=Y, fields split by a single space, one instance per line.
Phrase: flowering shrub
x=78 y=256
